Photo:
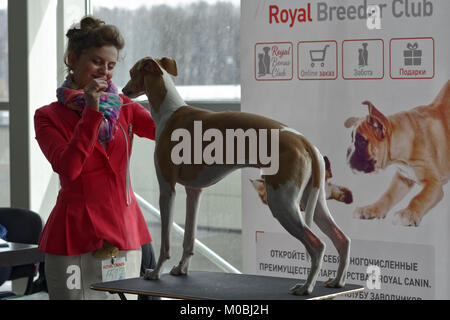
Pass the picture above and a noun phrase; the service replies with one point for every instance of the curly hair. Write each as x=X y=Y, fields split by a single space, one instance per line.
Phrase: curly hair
x=91 y=32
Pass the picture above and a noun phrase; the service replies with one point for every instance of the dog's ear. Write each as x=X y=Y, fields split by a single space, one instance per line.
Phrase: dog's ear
x=350 y=122
x=377 y=120
x=327 y=162
x=328 y=173
x=150 y=65
x=170 y=65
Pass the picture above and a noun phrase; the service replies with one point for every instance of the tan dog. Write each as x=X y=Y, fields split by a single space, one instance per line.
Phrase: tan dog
x=333 y=192
x=299 y=160
x=418 y=143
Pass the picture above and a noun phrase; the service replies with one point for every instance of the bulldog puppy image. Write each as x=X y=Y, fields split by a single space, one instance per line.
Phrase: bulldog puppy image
x=418 y=143
x=333 y=191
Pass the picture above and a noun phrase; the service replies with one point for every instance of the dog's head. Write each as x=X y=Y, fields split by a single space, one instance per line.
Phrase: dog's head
x=370 y=141
x=147 y=77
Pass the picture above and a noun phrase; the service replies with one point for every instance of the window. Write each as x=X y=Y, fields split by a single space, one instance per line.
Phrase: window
x=4 y=113
x=203 y=37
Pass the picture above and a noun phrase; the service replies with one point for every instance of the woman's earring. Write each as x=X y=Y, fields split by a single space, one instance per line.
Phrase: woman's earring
x=70 y=76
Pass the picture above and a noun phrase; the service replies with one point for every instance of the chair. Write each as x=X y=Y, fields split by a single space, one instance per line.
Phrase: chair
x=24 y=226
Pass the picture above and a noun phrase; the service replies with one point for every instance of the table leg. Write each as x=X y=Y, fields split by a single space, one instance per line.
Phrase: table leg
x=121 y=295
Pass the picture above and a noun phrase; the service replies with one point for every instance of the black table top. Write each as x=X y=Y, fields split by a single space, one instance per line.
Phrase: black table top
x=17 y=254
x=202 y=285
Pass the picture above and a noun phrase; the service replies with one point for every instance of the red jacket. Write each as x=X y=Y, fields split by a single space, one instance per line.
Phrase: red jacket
x=92 y=203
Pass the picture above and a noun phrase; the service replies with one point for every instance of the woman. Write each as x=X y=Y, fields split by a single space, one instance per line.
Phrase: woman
x=87 y=137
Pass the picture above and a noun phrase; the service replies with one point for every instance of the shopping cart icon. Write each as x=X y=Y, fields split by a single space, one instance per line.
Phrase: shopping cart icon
x=318 y=56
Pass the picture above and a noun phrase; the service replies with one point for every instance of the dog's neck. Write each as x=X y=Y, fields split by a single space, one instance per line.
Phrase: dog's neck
x=170 y=103
x=400 y=136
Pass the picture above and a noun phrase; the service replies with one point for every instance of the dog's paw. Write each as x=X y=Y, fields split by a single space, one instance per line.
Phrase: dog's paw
x=151 y=274
x=407 y=218
x=345 y=196
x=338 y=193
x=301 y=289
x=179 y=270
x=373 y=211
x=334 y=283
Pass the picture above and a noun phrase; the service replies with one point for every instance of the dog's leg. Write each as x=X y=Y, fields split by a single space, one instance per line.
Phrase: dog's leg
x=192 y=205
x=325 y=222
x=166 y=198
x=412 y=215
x=283 y=203
x=398 y=189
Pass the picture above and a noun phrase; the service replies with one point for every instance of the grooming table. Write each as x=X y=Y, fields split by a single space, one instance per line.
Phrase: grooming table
x=202 y=285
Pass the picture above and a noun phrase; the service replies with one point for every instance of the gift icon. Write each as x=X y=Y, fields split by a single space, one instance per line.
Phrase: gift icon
x=412 y=56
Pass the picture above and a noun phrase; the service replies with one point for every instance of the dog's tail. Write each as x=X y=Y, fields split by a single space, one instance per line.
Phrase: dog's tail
x=317 y=176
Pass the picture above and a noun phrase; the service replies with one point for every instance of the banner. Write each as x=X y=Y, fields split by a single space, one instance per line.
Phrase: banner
x=350 y=76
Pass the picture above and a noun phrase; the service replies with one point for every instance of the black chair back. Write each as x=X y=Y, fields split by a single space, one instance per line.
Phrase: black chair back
x=23 y=226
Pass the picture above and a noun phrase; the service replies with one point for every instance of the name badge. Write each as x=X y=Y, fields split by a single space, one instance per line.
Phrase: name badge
x=113 y=269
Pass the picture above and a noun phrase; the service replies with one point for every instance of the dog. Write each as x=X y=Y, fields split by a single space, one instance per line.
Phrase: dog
x=418 y=143
x=332 y=191
x=299 y=160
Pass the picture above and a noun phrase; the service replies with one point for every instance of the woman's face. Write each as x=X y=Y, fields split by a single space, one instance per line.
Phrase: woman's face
x=93 y=63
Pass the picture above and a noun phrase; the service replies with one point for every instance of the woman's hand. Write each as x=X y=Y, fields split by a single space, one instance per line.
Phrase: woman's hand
x=93 y=91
